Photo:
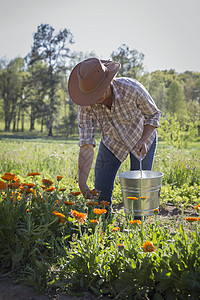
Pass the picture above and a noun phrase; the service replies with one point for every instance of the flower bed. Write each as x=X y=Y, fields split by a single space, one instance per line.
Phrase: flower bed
x=51 y=237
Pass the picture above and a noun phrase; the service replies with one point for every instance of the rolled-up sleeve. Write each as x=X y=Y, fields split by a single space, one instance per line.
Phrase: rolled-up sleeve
x=148 y=108
x=85 y=126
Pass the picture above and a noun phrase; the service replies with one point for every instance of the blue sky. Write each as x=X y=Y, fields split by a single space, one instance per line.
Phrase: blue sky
x=166 y=32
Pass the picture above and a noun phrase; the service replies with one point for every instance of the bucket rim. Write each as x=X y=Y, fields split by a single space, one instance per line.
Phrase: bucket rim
x=126 y=173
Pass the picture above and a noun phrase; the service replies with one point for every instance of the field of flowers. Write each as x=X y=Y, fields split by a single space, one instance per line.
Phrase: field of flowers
x=51 y=237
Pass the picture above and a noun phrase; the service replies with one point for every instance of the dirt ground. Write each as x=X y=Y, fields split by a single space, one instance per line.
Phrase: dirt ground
x=11 y=291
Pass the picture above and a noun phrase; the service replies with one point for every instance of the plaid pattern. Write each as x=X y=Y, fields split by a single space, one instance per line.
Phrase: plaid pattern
x=123 y=125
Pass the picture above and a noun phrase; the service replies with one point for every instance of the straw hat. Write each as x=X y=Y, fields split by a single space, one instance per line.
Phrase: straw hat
x=89 y=80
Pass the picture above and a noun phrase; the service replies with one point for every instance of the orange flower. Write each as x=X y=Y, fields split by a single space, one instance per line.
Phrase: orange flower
x=59 y=178
x=105 y=203
x=2 y=185
x=75 y=193
x=61 y=220
x=116 y=229
x=51 y=189
x=47 y=182
x=94 y=221
x=69 y=203
x=56 y=213
x=121 y=246
x=92 y=203
x=14 y=185
x=94 y=192
x=156 y=211
x=9 y=177
x=62 y=190
x=57 y=201
x=192 y=219
x=148 y=246
x=26 y=189
x=197 y=207
x=132 y=198
x=143 y=198
x=78 y=216
x=28 y=210
x=99 y=211
x=29 y=185
x=33 y=174
x=135 y=222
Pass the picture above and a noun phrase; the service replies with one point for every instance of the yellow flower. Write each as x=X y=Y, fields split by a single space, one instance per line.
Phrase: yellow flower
x=148 y=246
x=135 y=222
x=99 y=211
x=33 y=174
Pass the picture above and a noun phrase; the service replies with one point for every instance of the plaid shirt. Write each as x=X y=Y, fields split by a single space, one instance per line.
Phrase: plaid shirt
x=122 y=126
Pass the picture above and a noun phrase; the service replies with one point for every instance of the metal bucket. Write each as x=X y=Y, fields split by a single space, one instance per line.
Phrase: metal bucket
x=148 y=187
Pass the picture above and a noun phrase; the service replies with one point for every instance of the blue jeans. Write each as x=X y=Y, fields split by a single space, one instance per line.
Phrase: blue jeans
x=107 y=166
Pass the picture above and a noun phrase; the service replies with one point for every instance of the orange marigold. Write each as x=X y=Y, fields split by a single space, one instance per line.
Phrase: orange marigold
x=99 y=211
x=121 y=246
x=115 y=229
x=14 y=185
x=61 y=220
x=9 y=177
x=132 y=198
x=143 y=198
x=197 y=207
x=148 y=246
x=56 y=213
x=62 y=190
x=75 y=193
x=94 y=192
x=2 y=185
x=192 y=219
x=51 y=189
x=59 y=178
x=135 y=222
x=47 y=182
x=78 y=216
x=94 y=221
x=29 y=185
x=69 y=203
x=33 y=174
x=92 y=203
x=105 y=203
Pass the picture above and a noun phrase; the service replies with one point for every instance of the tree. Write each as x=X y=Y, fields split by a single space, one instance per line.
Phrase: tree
x=176 y=101
x=11 y=87
x=51 y=49
x=131 y=61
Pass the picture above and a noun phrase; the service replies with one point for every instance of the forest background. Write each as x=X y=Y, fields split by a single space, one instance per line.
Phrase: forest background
x=34 y=98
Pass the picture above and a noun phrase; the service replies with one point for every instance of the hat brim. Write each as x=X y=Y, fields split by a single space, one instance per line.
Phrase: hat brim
x=84 y=99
